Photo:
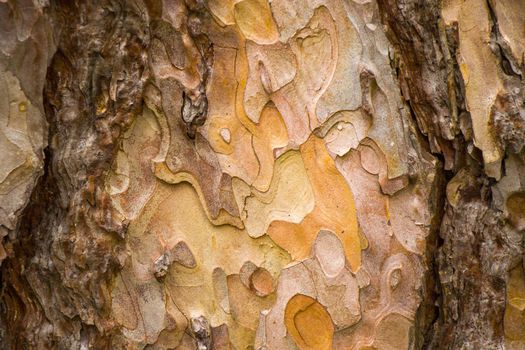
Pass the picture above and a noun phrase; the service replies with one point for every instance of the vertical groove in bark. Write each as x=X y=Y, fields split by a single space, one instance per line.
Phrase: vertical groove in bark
x=413 y=28
x=479 y=246
x=69 y=232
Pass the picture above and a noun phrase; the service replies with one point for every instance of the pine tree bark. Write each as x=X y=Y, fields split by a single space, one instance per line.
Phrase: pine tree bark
x=255 y=174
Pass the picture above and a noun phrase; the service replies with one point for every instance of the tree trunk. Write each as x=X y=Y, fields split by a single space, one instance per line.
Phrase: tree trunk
x=262 y=174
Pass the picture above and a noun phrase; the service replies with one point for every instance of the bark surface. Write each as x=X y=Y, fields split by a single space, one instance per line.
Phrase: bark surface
x=254 y=174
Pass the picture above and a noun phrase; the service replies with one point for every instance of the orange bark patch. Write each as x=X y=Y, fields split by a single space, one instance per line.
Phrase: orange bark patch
x=308 y=323
x=334 y=209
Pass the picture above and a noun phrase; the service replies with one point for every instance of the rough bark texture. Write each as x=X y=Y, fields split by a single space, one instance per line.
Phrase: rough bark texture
x=255 y=174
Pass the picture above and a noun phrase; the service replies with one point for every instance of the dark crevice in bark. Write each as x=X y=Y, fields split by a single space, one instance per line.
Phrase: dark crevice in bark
x=410 y=28
x=429 y=310
x=500 y=48
x=439 y=112
x=477 y=250
x=194 y=108
x=20 y=309
x=70 y=243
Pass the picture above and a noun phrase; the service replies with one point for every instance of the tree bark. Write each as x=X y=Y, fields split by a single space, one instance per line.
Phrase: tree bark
x=254 y=174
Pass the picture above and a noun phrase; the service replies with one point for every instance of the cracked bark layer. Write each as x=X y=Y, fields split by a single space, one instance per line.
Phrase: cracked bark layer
x=312 y=174
x=478 y=244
